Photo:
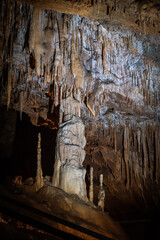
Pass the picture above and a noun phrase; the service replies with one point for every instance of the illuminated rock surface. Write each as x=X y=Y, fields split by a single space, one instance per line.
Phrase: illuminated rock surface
x=98 y=70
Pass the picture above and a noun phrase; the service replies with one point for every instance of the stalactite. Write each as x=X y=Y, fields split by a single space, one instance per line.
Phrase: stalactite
x=139 y=140
x=126 y=155
x=136 y=167
x=149 y=144
x=101 y=194
x=56 y=94
x=134 y=138
x=91 y=196
x=131 y=168
x=145 y=160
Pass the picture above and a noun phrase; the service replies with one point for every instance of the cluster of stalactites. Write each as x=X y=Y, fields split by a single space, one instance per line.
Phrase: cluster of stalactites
x=67 y=43
x=137 y=155
x=145 y=160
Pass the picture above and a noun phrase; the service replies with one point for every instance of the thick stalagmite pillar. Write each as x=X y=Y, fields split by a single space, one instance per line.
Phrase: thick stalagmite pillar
x=69 y=173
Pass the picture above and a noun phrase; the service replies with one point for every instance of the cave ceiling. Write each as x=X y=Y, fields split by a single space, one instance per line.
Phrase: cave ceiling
x=116 y=51
x=142 y=16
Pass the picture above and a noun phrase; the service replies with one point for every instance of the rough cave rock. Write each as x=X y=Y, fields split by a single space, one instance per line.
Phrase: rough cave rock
x=106 y=60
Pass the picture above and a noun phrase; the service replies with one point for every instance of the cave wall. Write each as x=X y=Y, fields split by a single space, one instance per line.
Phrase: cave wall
x=43 y=51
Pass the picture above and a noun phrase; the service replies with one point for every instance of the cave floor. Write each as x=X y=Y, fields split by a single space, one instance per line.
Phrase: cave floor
x=135 y=229
x=68 y=213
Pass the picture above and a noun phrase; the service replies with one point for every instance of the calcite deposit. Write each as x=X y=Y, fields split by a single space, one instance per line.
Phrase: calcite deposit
x=95 y=76
x=39 y=177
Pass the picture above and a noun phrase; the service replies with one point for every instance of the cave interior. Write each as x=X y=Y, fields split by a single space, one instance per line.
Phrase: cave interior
x=80 y=115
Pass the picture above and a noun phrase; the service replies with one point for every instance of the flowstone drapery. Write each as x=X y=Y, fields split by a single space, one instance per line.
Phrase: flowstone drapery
x=69 y=173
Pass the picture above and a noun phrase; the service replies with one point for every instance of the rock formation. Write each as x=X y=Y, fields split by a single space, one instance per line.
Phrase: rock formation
x=70 y=71
x=101 y=194
x=39 y=177
x=69 y=173
x=91 y=193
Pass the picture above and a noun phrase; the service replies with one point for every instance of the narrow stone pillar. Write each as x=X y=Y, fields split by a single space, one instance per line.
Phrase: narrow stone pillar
x=101 y=195
x=39 y=177
x=91 y=185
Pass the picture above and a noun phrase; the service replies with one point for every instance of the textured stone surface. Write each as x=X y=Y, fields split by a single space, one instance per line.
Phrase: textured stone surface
x=69 y=173
x=144 y=16
x=39 y=183
x=114 y=64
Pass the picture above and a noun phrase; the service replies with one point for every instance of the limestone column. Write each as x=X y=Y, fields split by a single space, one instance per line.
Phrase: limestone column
x=69 y=173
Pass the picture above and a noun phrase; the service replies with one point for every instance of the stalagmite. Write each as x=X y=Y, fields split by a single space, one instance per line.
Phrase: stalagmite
x=101 y=195
x=69 y=173
x=91 y=185
x=39 y=177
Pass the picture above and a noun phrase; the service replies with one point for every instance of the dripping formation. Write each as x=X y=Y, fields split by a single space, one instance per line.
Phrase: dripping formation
x=95 y=77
